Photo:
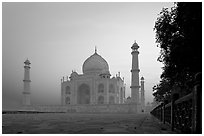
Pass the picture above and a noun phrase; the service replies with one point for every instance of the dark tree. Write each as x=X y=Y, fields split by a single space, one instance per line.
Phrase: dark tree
x=179 y=35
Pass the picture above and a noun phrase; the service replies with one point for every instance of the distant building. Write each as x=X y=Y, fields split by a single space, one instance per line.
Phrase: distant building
x=94 y=86
x=136 y=97
x=94 y=90
x=26 y=85
x=142 y=94
x=148 y=107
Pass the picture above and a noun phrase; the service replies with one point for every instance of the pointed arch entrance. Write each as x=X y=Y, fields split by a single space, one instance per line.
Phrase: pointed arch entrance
x=83 y=94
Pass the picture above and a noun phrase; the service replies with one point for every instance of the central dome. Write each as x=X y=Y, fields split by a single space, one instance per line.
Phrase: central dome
x=95 y=64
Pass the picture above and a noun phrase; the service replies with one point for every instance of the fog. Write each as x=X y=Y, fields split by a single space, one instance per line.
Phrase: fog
x=58 y=37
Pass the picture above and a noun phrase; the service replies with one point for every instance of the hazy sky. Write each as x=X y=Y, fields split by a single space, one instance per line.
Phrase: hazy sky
x=58 y=37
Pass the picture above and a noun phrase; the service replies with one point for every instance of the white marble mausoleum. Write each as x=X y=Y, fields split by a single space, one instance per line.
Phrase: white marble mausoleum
x=93 y=91
x=94 y=86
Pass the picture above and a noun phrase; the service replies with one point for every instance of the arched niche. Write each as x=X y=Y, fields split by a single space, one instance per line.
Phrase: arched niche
x=83 y=94
x=100 y=100
x=67 y=90
x=111 y=100
x=67 y=100
x=101 y=88
x=111 y=88
x=121 y=92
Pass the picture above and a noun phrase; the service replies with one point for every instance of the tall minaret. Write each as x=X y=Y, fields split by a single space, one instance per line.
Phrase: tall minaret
x=135 y=74
x=26 y=81
x=142 y=93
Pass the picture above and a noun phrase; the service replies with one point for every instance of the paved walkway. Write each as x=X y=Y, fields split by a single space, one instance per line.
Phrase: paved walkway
x=151 y=125
x=75 y=123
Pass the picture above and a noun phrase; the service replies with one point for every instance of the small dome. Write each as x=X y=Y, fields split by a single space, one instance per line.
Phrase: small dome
x=142 y=78
x=135 y=46
x=95 y=64
x=27 y=62
x=74 y=74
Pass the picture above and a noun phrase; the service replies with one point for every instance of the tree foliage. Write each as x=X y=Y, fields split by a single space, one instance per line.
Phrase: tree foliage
x=179 y=36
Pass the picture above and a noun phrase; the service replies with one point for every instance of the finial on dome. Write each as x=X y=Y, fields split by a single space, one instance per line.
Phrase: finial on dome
x=95 y=49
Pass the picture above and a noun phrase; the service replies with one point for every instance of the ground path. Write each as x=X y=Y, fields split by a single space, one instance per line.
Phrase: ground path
x=70 y=123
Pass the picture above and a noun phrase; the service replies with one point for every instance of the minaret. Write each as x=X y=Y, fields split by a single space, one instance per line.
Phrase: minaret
x=135 y=74
x=142 y=93
x=26 y=81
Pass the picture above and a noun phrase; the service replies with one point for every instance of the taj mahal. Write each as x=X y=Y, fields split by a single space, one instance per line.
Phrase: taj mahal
x=94 y=86
x=95 y=90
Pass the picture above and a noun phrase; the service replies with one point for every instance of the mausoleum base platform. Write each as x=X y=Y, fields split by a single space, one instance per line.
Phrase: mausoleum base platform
x=83 y=108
